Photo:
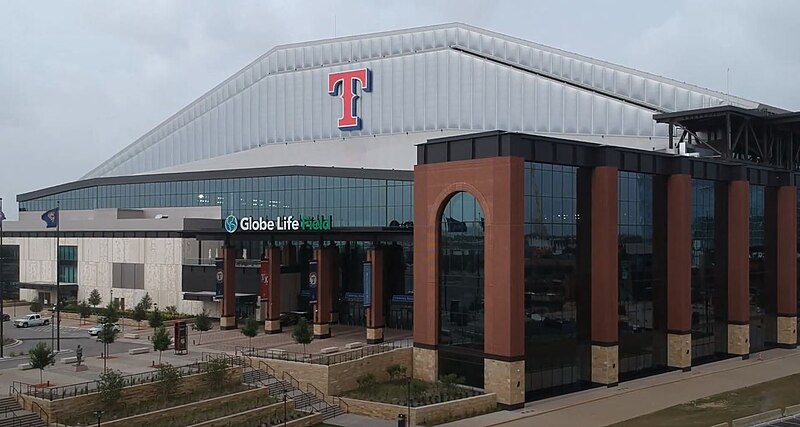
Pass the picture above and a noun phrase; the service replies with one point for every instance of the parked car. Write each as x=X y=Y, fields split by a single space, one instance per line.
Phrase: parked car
x=96 y=329
x=6 y=317
x=32 y=319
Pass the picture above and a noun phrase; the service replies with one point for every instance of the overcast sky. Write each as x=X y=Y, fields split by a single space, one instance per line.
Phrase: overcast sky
x=81 y=80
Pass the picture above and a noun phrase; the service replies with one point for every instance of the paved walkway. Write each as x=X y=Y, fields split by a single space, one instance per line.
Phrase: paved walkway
x=605 y=406
x=353 y=420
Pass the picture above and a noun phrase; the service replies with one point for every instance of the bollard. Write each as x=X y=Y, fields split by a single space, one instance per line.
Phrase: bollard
x=401 y=420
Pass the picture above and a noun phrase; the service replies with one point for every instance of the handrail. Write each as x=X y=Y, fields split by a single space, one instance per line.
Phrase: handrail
x=41 y=411
x=322 y=359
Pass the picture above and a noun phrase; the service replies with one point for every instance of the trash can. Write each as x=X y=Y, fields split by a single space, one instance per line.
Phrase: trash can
x=401 y=420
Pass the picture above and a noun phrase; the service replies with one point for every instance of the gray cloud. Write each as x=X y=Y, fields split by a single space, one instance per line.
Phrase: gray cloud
x=81 y=80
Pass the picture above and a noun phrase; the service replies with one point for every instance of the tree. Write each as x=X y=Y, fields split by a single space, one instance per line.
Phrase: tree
x=156 y=319
x=95 y=299
x=41 y=356
x=110 y=387
x=139 y=314
x=36 y=305
x=107 y=336
x=161 y=339
x=202 y=323
x=302 y=333
x=146 y=301
x=215 y=374
x=168 y=378
x=250 y=329
x=84 y=310
x=112 y=313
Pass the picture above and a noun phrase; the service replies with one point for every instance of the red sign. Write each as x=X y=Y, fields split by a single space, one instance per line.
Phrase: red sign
x=264 y=283
x=344 y=84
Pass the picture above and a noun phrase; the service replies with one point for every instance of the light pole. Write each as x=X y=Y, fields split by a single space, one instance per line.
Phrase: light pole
x=52 y=331
x=98 y=414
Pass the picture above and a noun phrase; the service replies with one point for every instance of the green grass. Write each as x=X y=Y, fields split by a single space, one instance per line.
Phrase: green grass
x=725 y=407
x=422 y=393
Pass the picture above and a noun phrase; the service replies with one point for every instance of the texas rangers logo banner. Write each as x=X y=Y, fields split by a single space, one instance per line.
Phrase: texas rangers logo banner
x=344 y=84
x=264 y=284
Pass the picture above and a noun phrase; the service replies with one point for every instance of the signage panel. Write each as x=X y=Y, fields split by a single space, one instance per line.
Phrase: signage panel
x=367 y=281
x=264 y=283
x=220 y=276
x=280 y=223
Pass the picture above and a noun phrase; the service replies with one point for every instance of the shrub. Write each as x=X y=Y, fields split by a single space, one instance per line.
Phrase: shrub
x=451 y=380
x=110 y=387
x=168 y=379
x=366 y=380
x=396 y=372
x=36 y=305
x=215 y=374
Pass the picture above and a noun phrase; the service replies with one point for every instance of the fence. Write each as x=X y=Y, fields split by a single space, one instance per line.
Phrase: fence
x=322 y=359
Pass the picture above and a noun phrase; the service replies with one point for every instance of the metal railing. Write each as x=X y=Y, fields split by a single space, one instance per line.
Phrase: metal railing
x=77 y=389
x=37 y=409
x=322 y=359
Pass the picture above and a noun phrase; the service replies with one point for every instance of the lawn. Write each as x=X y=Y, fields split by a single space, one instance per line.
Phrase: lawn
x=725 y=406
x=422 y=393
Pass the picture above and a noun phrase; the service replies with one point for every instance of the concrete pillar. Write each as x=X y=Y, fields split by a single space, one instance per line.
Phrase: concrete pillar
x=603 y=264
x=272 y=319
x=227 y=318
x=672 y=206
x=322 y=309
x=781 y=257
x=732 y=206
x=375 y=317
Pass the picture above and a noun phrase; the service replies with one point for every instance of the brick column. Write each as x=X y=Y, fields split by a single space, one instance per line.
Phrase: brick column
x=272 y=320
x=322 y=309
x=673 y=205
x=600 y=186
x=289 y=254
x=781 y=292
x=732 y=206
x=227 y=318
x=426 y=272
x=375 y=315
x=335 y=285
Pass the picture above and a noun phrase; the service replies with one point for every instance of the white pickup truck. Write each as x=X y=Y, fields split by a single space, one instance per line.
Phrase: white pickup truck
x=31 y=320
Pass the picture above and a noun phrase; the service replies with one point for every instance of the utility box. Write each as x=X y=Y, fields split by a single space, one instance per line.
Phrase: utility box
x=181 y=338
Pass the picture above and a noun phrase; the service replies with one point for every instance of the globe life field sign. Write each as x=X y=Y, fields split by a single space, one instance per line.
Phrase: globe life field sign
x=280 y=223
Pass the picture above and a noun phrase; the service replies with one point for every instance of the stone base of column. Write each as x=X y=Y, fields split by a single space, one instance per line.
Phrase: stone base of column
x=738 y=339
x=787 y=331
x=335 y=317
x=605 y=361
x=322 y=331
x=507 y=380
x=374 y=335
x=679 y=350
x=227 y=323
x=272 y=326
x=426 y=364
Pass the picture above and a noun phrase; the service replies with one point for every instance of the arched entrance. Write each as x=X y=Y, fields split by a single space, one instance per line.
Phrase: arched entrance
x=461 y=289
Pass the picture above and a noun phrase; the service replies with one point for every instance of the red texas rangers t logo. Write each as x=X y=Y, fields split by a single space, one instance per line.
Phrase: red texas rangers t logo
x=344 y=83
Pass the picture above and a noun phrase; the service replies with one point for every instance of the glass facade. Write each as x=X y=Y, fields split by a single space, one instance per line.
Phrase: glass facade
x=68 y=264
x=555 y=360
x=352 y=202
x=10 y=275
x=708 y=325
x=461 y=279
x=758 y=283
x=642 y=346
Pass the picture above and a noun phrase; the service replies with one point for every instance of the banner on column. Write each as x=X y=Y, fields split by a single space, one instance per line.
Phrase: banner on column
x=220 y=275
x=367 y=280
x=264 y=284
x=313 y=280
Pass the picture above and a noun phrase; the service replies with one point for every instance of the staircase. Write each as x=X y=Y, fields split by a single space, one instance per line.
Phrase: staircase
x=12 y=415
x=310 y=400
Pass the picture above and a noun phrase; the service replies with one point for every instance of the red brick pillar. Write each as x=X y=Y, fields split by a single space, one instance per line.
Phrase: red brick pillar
x=604 y=264
x=335 y=285
x=375 y=316
x=732 y=206
x=272 y=320
x=322 y=309
x=289 y=255
x=677 y=259
x=228 y=316
x=781 y=254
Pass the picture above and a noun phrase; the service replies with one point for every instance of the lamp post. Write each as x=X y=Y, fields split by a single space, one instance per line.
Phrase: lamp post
x=98 y=414
x=111 y=301
x=52 y=331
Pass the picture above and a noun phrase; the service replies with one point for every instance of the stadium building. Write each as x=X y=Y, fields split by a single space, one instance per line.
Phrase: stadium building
x=544 y=221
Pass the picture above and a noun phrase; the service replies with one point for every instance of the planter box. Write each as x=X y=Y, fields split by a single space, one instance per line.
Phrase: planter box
x=429 y=414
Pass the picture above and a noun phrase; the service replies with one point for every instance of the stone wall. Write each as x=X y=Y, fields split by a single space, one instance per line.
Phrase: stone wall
x=429 y=414
x=73 y=406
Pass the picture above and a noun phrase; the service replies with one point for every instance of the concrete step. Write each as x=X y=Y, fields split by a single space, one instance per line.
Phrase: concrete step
x=21 y=419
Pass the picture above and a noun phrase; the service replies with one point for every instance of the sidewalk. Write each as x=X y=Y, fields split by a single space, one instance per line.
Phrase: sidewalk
x=605 y=406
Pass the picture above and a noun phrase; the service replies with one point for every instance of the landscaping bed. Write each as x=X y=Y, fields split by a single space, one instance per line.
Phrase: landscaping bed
x=422 y=393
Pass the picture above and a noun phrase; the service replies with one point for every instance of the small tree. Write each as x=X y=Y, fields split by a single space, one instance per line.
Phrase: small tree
x=42 y=356
x=302 y=333
x=202 y=323
x=139 y=314
x=95 y=299
x=84 y=311
x=168 y=378
x=156 y=319
x=110 y=387
x=112 y=313
x=36 y=305
x=161 y=339
x=146 y=301
x=250 y=329
x=107 y=336
x=215 y=376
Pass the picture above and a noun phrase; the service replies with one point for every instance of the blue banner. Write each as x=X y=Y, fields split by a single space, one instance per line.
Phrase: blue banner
x=367 y=281
x=220 y=277
x=354 y=297
x=406 y=298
